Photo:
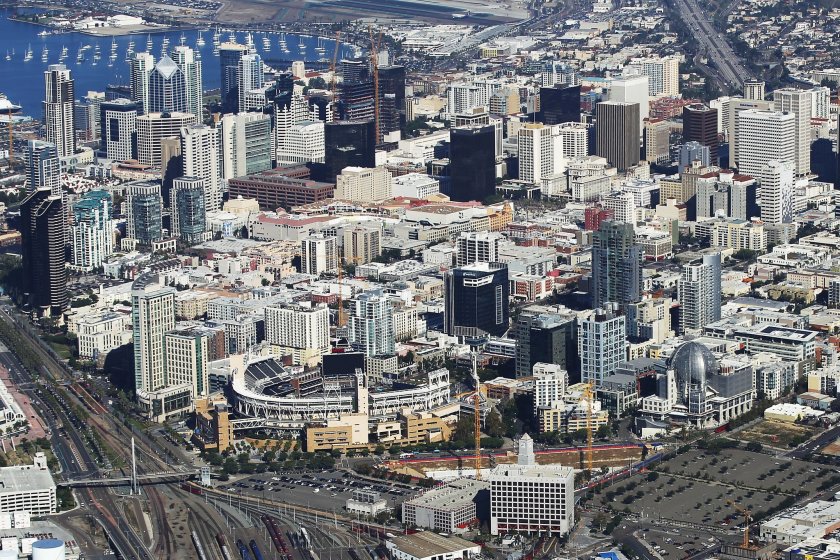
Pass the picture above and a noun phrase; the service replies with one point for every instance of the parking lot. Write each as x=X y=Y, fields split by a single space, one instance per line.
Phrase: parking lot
x=327 y=490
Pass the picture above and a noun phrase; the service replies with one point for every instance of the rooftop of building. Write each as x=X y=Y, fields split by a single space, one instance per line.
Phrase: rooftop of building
x=426 y=543
x=556 y=473
x=451 y=496
x=25 y=478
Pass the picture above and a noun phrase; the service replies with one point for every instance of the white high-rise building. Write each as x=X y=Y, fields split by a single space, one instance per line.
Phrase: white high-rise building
x=602 y=343
x=623 y=206
x=372 y=324
x=59 y=109
x=285 y=117
x=92 y=231
x=190 y=66
x=699 y=293
x=299 y=69
x=154 y=127
x=152 y=315
x=633 y=89
x=754 y=89
x=246 y=144
x=43 y=168
x=249 y=77
x=550 y=384
x=663 y=72
x=477 y=246
x=299 y=329
x=463 y=98
x=187 y=352
x=540 y=152
x=800 y=103
x=820 y=102
x=120 y=128
x=302 y=143
x=762 y=136
x=575 y=140
x=318 y=254
x=363 y=184
x=141 y=67
x=776 y=179
x=200 y=150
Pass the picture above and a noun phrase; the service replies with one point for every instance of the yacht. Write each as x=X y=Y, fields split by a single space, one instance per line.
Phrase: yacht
x=27 y=56
x=200 y=41
x=43 y=33
x=63 y=55
x=45 y=54
x=8 y=56
x=149 y=44
x=6 y=106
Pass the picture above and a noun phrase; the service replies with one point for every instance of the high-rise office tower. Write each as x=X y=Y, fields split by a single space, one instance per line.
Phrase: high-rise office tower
x=249 y=77
x=777 y=189
x=616 y=265
x=353 y=70
x=144 y=205
x=656 y=134
x=800 y=103
x=187 y=352
x=632 y=89
x=362 y=184
x=699 y=293
x=575 y=140
x=319 y=254
x=43 y=168
x=559 y=104
x=362 y=244
x=477 y=246
x=141 y=67
x=299 y=69
x=663 y=74
x=602 y=343
x=476 y=300
x=700 y=125
x=229 y=55
x=540 y=152
x=371 y=324
x=617 y=133
x=286 y=115
x=472 y=156
x=42 y=223
x=93 y=230
x=694 y=151
x=153 y=128
x=246 y=144
x=302 y=143
x=118 y=133
x=167 y=88
x=284 y=87
x=392 y=82
x=348 y=144
x=545 y=334
x=187 y=212
x=200 y=150
x=762 y=136
x=754 y=89
x=87 y=115
x=59 y=108
x=190 y=66
x=152 y=316
x=356 y=101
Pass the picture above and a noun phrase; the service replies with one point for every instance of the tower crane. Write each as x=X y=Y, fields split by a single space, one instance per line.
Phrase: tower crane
x=334 y=62
x=589 y=395
x=747 y=519
x=477 y=405
x=374 y=62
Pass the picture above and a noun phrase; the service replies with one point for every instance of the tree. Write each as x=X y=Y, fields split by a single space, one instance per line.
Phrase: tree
x=493 y=426
x=230 y=466
x=753 y=446
x=464 y=429
x=603 y=432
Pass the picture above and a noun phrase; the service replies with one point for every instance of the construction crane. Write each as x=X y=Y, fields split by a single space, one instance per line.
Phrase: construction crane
x=589 y=395
x=477 y=404
x=334 y=63
x=747 y=519
x=374 y=62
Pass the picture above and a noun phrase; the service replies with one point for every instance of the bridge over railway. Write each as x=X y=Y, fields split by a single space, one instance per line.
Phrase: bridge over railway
x=142 y=480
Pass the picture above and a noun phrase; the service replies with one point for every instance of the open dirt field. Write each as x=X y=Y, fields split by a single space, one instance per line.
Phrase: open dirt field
x=777 y=434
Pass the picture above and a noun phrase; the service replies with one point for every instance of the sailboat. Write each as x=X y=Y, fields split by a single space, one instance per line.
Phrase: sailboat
x=149 y=44
x=217 y=36
x=45 y=54
x=321 y=49
x=249 y=41
x=200 y=41
x=27 y=56
x=63 y=56
x=8 y=56
x=266 y=43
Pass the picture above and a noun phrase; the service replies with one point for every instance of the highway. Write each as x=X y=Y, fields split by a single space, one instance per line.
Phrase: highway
x=714 y=44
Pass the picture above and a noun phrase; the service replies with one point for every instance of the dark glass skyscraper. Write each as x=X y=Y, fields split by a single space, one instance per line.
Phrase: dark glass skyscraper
x=616 y=265
x=559 y=104
x=700 y=125
x=167 y=88
x=472 y=156
x=391 y=98
x=476 y=301
x=348 y=143
x=285 y=85
x=617 y=133
x=189 y=218
x=42 y=234
x=229 y=56
x=544 y=334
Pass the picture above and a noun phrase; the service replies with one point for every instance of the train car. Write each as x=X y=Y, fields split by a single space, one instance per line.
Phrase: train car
x=243 y=550
x=220 y=540
x=255 y=549
x=191 y=489
x=199 y=548
x=304 y=537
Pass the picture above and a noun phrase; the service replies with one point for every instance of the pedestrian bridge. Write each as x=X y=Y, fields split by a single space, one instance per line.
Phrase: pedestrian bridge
x=142 y=479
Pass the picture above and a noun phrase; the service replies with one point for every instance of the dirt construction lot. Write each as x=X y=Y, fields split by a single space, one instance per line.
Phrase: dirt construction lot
x=777 y=434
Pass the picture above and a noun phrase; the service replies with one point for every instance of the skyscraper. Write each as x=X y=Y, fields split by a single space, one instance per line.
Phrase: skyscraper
x=371 y=324
x=245 y=144
x=167 y=88
x=477 y=246
x=762 y=136
x=776 y=179
x=632 y=89
x=546 y=334
x=559 y=104
x=362 y=244
x=616 y=265
x=43 y=168
x=93 y=230
x=800 y=103
x=42 y=223
x=361 y=184
x=153 y=128
x=754 y=89
x=602 y=343
x=476 y=300
x=318 y=254
x=348 y=144
x=59 y=108
x=392 y=82
x=152 y=315
x=699 y=293
x=141 y=67
x=190 y=66
x=540 y=152
x=302 y=143
x=472 y=156
x=188 y=216
x=663 y=72
x=200 y=150
x=700 y=125
x=118 y=132
x=229 y=55
x=617 y=133
x=249 y=77
x=144 y=206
